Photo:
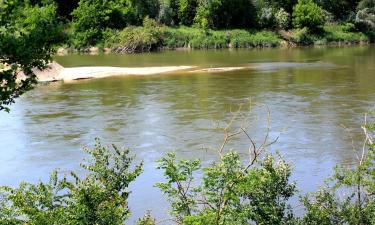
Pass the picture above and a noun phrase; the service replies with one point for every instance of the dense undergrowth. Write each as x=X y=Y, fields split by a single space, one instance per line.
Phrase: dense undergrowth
x=153 y=36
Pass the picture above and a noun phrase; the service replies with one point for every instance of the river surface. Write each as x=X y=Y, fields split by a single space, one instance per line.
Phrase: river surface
x=312 y=93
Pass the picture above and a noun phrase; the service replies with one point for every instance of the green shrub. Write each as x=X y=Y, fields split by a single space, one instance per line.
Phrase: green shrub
x=196 y=38
x=28 y=34
x=91 y=17
x=308 y=14
x=230 y=191
x=99 y=198
x=365 y=17
x=302 y=36
x=357 y=206
x=137 y=39
x=282 y=18
x=343 y=33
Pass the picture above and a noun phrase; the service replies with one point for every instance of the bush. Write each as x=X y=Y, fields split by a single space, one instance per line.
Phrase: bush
x=91 y=17
x=308 y=14
x=302 y=36
x=266 y=18
x=343 y=33
x=137 y=39
x=221 y=14
x=365 y=17
x=231 y=192
x=282 y=18
x=99 y=198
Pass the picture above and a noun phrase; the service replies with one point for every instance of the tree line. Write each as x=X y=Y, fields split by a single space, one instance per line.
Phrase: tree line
x=90 y=21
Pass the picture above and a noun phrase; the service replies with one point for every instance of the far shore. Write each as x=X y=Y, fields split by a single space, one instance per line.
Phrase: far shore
x=283 y=44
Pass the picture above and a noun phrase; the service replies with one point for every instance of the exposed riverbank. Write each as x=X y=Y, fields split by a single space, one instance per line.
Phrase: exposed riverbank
x=56 y=72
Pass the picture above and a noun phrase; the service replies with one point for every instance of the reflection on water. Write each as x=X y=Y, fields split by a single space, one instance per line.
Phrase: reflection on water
x=311 y=93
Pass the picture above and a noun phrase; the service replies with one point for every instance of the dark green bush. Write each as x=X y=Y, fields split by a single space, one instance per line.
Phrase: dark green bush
x=137 y=39
x=308 y=14
x=92 y=17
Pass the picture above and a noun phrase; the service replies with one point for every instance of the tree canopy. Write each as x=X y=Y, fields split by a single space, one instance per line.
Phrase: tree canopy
x=28 y=33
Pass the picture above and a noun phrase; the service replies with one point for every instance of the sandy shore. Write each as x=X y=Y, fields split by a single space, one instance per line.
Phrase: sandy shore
x=69 y=74
x=55 y=72
x=219 y=69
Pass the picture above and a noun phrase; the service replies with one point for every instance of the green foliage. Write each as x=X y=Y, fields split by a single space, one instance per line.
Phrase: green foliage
x=186 y=11
x=308 y=14
x=365 y=17
x=343 y=33
x=245 y=39
x=146 y=220
x=137 y=39
x=342 y=10
x=196 y=38
x=92 y=17
x=356 y=184
x=27 y=36
x=302 y=36
x=168 y=12
x=230 y=191
x=330 y=34
x=99 y=198
x=225 y=14
x=282 y=18
x=179 y=186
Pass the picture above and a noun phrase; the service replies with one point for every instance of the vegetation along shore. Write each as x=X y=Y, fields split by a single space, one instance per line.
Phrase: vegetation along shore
x=130 y=26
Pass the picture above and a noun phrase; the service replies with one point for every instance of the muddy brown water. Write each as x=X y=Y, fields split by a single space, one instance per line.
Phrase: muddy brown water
x=311 y=93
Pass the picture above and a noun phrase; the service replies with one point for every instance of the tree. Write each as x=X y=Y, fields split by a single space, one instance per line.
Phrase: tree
x=186 y=11
x=225 y=13
x=27 y=36
x=231 y=192
x=365 y=17
x=92 y=17
x=341 y=10
x=308 y=14
x=355 y=203
x=98 y=198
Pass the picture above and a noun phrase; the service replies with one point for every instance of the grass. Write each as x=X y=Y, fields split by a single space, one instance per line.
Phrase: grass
x=343 y=33
x=329 y=34
x=187 y=37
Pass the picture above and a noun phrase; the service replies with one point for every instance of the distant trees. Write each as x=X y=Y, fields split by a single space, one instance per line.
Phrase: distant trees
x=341 y=10
x=226 y=13
x=92 y=20
x=92 y=17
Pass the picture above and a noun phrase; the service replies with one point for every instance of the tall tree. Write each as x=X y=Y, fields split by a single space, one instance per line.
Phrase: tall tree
x=341 y=10
x=226 y=13
x=27 y=36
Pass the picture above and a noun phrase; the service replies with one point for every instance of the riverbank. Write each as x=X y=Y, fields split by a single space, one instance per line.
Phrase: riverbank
x=56 y=72
x=147 y=39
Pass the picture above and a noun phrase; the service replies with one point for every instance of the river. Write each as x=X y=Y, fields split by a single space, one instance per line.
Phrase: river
x=312 y=93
